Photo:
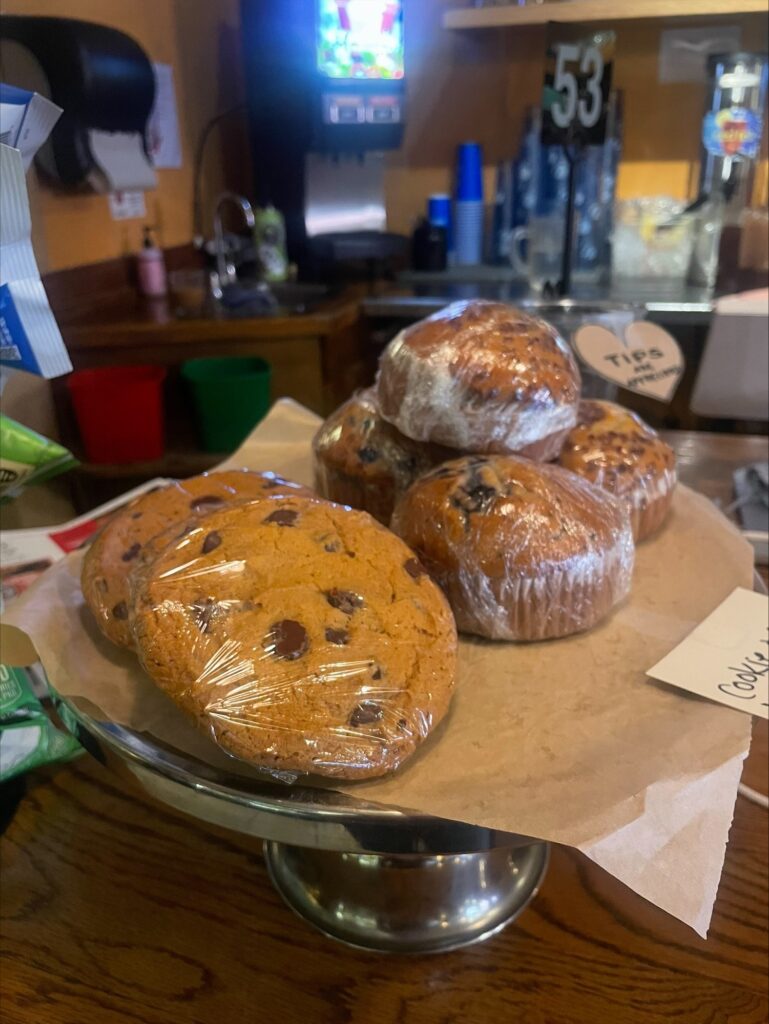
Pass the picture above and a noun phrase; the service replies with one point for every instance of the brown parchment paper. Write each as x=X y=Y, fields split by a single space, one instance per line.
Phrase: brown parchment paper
x=566 y=740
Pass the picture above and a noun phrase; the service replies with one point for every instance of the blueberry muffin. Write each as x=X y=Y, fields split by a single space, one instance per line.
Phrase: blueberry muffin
x=613 y=448
x=303 y=636
x=119 y=546
x=523 y=550
x=481 y=377
x=363 y=461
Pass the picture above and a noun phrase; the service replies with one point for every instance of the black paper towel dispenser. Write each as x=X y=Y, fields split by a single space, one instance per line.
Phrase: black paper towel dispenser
x=103 y=81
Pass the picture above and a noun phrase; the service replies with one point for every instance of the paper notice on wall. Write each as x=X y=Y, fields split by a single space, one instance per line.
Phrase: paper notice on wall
x=121 y=162
x=163 y=129
x=127 y=205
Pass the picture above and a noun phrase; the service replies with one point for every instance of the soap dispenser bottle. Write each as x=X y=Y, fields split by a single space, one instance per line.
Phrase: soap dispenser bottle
x=151 y=267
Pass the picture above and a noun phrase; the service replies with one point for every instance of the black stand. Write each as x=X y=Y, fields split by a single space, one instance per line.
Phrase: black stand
x=573 y=155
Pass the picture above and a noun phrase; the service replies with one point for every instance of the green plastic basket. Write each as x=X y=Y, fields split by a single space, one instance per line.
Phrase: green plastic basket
x=231 y=396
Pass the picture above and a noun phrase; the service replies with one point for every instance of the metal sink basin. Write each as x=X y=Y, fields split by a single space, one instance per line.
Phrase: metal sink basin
x=255 y=298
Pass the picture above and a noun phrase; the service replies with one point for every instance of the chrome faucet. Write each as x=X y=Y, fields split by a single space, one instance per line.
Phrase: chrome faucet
x=225 y=271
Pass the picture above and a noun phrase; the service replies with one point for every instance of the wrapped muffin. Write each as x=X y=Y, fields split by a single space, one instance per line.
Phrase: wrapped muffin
x=523 y=551
x=613 y=448
x=481 y=377
x=363 y=461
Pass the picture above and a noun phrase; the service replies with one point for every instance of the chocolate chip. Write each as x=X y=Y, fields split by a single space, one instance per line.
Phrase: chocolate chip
x=120 y=611
x=368 y=455
x=283 y=517
x=203 y=612
x=212 y=542
x=414 y=568
x=477 y=498
x=339 y=637
x=402 y=723
x=344 y=600
x=136 y=515
x=332 y=547
x=208 y=501
x=377 y=673
x=132 y=552
x=288 y=640
x=366 y=713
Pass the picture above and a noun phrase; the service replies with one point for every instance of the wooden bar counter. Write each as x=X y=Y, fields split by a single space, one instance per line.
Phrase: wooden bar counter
x=118 y=911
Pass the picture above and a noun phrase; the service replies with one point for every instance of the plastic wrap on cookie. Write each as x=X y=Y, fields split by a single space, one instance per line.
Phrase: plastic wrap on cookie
x=361 y=460
x=127 y=537
x=615 y=449
x=481 y=377
x=523 y=551
x=301 y=635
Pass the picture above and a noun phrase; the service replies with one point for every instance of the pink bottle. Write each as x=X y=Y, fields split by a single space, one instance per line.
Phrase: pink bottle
x=151 y=266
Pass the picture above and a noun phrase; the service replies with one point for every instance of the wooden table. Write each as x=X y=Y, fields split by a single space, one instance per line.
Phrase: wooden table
x=117 y=911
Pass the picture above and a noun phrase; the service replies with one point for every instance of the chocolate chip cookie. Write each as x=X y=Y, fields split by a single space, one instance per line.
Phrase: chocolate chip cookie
x=523 y=550
x=615 y=449
x=119 y=546
x=302 y=635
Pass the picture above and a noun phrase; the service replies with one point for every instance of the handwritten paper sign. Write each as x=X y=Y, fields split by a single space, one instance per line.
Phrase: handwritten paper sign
x=647 y=360
x=726 y=658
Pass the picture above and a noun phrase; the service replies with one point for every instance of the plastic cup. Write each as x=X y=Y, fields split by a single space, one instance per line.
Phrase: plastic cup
x=469 y=173
x=119 y=411
x=230 y=396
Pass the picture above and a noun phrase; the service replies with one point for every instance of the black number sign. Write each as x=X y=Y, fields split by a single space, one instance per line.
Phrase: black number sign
x=575 y=98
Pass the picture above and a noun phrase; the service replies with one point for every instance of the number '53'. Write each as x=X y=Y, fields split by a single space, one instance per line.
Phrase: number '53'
x=587 y=109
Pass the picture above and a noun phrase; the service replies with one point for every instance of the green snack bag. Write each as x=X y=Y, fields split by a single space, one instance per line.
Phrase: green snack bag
x=28 y=458
x=28 y=739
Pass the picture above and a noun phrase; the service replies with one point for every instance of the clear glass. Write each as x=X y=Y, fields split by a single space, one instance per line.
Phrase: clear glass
x=652 y=239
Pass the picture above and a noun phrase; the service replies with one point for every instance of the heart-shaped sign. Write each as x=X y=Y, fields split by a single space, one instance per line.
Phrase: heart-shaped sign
x=647 y=361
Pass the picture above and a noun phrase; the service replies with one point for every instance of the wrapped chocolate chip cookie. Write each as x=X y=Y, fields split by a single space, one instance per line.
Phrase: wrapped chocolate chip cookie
x=121 y=543
x=301 y=635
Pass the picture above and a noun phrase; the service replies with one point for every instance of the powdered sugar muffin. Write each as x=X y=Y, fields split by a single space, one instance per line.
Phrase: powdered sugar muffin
x=481 y=377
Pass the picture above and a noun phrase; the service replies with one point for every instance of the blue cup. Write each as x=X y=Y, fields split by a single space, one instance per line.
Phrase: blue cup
x=469 y=173
x=439 y=214
x=439 y=211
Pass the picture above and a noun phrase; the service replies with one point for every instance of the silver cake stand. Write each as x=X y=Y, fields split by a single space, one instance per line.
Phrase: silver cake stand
x=369 y=876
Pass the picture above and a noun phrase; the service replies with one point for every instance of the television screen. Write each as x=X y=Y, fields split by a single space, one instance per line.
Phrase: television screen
x=360 y=39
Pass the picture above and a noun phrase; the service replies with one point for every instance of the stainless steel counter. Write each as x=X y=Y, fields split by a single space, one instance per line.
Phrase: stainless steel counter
x=424 y=294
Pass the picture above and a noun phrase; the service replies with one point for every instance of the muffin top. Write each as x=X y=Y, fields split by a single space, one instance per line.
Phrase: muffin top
x=357 y=441
x=479 y=376
x=616 y=449
x=514 y=518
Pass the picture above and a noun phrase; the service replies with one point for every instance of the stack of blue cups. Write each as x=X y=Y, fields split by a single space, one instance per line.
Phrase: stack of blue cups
x=468 y=208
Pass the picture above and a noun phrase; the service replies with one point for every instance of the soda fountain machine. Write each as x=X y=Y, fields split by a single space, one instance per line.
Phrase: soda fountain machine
x=326 y=89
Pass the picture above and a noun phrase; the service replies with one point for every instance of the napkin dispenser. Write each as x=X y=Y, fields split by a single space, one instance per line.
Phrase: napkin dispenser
x=104 y=83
